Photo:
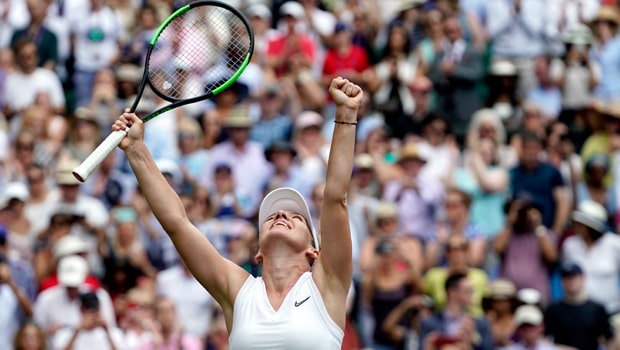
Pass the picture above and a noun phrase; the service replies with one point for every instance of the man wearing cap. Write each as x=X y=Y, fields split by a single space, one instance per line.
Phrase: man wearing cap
x=59 y=306
x=597 y=251
x=245 y=157
x=576 y=320
x=528 y=321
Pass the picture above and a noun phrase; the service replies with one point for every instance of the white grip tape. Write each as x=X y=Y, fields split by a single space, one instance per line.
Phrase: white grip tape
x=83 y=171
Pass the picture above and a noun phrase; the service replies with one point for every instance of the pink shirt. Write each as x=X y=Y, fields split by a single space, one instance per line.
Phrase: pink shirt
x=188 y=343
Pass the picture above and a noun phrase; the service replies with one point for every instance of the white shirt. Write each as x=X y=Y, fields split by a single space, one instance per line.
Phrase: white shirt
x=22 y=89
x=193 y=304
x=54 y=308
x=9 y=320
x=301 y=322
x=96 y=37
x=95 y=339
x=601 y=266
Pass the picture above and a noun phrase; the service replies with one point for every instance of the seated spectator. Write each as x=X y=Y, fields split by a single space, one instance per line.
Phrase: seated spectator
x=576 y=321
x=499 y=304
x=526 y=247
x=59 y=307
x=166 y=332
x=456 y=222
x=504 y=98
x=546 y=93
x=593 y=187
x=596 y=250
x=403 y=323
x=286 y=171
x=29 y=337
x=457 y=256
x=20 y=238
x=274 y=123
x=453 y=325
x=93 y=331
x=528 y=322
x=437 y=145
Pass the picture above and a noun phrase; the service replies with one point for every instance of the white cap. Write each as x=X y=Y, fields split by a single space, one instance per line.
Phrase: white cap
x=529 y=296
x=72 y=271
x=69 y=245
x=293 y=9
x=503 y=68
x=308 y=118
x=259 y=10
x=16 y=190
x=286 y=198
x=591 y=214
x=528 y=314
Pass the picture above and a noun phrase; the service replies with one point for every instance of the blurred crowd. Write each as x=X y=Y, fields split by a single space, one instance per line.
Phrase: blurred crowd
x=483 y=203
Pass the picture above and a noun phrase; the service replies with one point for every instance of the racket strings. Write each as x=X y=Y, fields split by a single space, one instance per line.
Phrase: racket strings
x=197 y=52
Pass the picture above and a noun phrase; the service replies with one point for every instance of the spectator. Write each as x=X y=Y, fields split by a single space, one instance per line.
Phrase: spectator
x=517 y=29
x=593 y=239
x=546 y=93
x=593 y=187
x=542 y=183
x=486 y=183
x=191 y=303
x=286 y=171
x=421 y=91
x=417 y=198
x=260 y=18
x=576 y=321
x=456 y=73
x=457 y=222
x=472 y=30
x=311 y=146
x=30 y=80
x=344 y=58
x=166 y=332
x=16 y=304
x=38 y=31
x=526 y=247
x=20 y=238
x=29 y=336
x=96 y=34
x=605 y=139
x=604 y=51
x=59 y=307
x=84 y=135
x=396 y=70
x=499 y=304
x=93 y=331
x=438 y=144
x=453 y=325
x=241 y=154
x=457 y=262
x=433 y=41
x=487 y=123
x=275 y=123
x=403 y=323
x=503 y=96
x=530 y=330
x=228 y=200
x=192 y=157
x=109 y=184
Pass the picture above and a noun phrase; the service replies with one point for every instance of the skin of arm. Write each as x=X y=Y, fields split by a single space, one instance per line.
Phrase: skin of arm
x=221 y=277
x=562 y=209
x=333 y=271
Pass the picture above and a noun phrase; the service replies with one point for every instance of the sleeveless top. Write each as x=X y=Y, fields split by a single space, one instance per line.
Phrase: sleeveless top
x=302 y=322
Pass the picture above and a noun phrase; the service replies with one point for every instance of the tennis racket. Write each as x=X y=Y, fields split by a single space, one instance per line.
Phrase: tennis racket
x=196 y=53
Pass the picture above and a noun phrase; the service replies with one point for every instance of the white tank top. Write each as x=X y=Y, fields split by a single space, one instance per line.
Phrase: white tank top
x=302 y=322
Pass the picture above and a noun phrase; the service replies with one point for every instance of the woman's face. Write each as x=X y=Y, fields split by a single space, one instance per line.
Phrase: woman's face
x=435 y=133
x=487 y=150
x=604 y=30
x=126 y=232
x=30 y=339
x=435 y=19
x=397 y=40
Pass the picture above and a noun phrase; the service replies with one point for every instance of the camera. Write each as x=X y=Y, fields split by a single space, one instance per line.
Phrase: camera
x=384 y=246
x=89 y=301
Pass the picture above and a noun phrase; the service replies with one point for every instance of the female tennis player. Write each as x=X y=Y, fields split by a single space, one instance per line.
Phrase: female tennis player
x=299 y=302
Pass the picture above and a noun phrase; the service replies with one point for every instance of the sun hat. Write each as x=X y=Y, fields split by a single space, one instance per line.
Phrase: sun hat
x=286 y=198
x=591 y=214
x=411 y=151
x=72 y=271
x=238 y=118
x=364 y=161
x=501 y=289
x=607 y=13
x=64 y=172
x=528 y=314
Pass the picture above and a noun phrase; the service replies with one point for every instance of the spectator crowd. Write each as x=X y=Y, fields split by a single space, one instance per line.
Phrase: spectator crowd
x=485 y=198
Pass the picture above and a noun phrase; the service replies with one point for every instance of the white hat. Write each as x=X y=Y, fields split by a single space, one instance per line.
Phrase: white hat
x=16 y=190
x=364 y=161
x=64 y=172
x=72 y=271
x=503 y=68
x=580 y=35
x=529 y=296
x=259 y=10
x=308 y=118
x=591 y=214
x=528 y=314
x=286 y=198
x=293 y=9
x=69 y=245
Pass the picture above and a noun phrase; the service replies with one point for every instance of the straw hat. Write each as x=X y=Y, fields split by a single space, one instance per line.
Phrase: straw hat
x=608 y=14
x=411 y=151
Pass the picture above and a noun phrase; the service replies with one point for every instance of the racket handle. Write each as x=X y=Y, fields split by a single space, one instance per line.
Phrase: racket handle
x=83 y=171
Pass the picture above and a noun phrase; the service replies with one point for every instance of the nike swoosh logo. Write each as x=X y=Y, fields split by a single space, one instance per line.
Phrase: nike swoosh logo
x=297 y=303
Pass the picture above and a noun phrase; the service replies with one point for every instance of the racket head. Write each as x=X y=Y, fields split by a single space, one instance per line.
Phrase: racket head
x=199 y=51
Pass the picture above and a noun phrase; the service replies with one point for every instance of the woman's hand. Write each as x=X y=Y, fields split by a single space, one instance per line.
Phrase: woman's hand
x=345 y=93
x=134 y=125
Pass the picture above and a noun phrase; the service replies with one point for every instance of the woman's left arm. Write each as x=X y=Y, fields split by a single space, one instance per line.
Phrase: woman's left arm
x=333 y=271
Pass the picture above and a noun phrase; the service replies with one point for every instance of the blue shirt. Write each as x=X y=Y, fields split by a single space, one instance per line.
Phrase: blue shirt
x=538 y=184
x=608 y=58
x=266 y=132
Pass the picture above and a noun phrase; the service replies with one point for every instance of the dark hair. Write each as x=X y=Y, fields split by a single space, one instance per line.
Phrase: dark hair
x=453 y=281
x=465 y=197
x=527 y=136
x=89 y=301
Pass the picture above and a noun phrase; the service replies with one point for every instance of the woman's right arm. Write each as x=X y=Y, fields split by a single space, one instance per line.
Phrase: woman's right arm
x=221 y=277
